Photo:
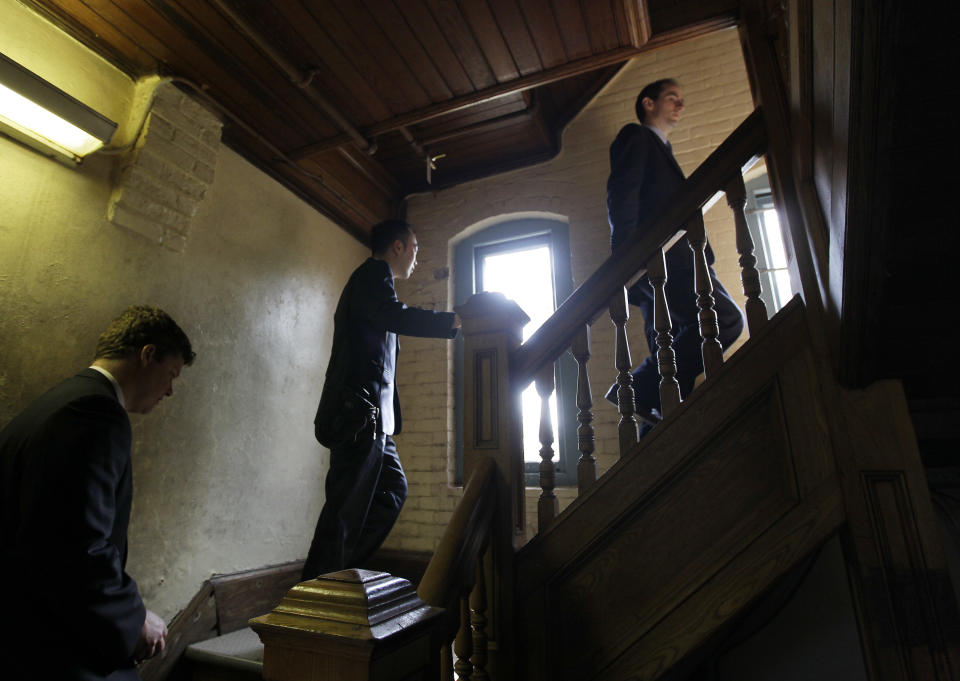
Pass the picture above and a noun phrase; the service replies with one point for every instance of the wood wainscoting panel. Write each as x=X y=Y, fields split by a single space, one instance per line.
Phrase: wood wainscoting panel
x=711 y=506
x=486 y=433
x=243 y=595
x=903 y=574
x=731 y=590
x=908 y=611
x=680 y=536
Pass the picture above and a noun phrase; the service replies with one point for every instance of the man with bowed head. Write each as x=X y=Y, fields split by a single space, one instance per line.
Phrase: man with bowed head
x=66 y=486
x=644 y=174
x=359 y=411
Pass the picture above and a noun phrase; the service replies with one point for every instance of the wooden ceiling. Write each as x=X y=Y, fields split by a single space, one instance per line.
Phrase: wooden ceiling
x=344 y=101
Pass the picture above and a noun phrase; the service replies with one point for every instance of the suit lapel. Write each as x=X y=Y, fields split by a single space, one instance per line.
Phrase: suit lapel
x=665 y=151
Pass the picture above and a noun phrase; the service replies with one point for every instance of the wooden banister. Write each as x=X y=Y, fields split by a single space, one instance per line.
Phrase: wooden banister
x=497 y=366
x=451 y=570
x=454 y=579
x=663 y=228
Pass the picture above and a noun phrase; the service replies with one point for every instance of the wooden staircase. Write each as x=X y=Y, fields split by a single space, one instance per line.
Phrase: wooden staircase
x=777 y=455
x=772 y=457
x=696 y=523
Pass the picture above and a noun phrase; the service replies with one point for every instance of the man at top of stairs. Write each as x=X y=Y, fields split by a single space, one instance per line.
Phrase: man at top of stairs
x=644 y=174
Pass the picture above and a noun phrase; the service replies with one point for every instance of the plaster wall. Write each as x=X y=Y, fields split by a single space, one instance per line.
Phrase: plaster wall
x=569 y=188
x=227 y=475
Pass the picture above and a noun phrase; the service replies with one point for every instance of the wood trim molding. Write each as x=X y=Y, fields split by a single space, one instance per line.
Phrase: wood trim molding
x=197 y=622
x=243 y=595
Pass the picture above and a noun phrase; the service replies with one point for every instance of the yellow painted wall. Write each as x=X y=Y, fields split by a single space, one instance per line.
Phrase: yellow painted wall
x=227 y=475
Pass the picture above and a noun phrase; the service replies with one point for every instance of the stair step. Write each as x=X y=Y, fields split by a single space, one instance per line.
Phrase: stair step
x=237 y=655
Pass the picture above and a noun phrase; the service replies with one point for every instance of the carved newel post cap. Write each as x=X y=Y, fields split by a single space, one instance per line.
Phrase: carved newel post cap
x=360 y=605
x=491 y=311
x=354 y=624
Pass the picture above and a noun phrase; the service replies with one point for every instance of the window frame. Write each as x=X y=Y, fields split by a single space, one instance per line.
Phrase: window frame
x=760 y=198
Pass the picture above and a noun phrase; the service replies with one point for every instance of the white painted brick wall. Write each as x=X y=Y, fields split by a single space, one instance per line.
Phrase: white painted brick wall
x=570 y=187
x=166 y=176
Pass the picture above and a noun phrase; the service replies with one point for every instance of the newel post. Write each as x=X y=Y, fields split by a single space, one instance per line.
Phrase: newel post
x=492 y=427
x=353 y=624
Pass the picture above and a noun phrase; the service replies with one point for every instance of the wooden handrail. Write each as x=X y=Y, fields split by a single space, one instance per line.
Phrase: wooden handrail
x=451 y=570
x=661 y=229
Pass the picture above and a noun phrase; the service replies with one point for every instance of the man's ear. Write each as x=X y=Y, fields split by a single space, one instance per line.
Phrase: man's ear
x=648 y=104
x=147 y=354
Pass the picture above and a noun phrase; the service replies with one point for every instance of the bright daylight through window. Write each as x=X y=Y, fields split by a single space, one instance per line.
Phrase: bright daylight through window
x=774 y=255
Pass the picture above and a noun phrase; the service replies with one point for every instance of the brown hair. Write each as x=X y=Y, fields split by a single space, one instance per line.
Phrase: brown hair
x=141 y=325
x=652 y=91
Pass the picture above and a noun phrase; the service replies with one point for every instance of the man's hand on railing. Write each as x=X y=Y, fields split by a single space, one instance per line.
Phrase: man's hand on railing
x=153 y=637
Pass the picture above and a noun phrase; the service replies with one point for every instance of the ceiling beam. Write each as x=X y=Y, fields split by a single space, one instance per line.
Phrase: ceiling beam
x=640 y=22
x=574 y=68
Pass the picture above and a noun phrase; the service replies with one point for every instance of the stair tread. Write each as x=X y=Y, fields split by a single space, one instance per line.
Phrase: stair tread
x=239 y=649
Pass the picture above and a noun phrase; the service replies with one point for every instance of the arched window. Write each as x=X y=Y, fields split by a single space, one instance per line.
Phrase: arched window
x=528 y=260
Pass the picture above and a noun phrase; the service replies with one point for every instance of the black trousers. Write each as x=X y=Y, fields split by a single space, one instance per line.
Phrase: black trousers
x=684 y=316
x=365 y=489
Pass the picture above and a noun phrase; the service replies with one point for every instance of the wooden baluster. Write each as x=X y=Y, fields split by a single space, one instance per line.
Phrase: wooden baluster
x=709 y=328
x=666 y=358
x=463 y=644
x=446 y=662
x=627 y=428
x=548 y=506
x=478 y=622
x=756 y=310
x=587 y=465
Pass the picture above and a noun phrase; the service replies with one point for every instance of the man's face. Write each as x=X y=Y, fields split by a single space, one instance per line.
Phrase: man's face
x=407 y=258
x=665 y=111
x=154 y=380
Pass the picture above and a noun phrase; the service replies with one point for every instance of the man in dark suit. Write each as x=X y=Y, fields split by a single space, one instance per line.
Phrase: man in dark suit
x=359 y=409
x=644 y=173
x=71 y=612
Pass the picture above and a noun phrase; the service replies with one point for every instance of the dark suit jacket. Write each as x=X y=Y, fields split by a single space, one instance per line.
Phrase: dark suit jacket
x=366 y=324
x=71 y=612
x=644 y=173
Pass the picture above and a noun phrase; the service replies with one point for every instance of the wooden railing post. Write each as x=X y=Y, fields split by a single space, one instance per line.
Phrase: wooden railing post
x=756 y=311
x=709 y=327
x=548 y=506
x=666 y=358
x=335 y=627
x=478 y=625
x=587 y=465
x=463 y=643
x=493 y=427
x=627 y=429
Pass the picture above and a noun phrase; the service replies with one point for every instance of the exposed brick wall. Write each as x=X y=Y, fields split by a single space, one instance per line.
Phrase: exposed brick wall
x=166 y=176
x=571 y=187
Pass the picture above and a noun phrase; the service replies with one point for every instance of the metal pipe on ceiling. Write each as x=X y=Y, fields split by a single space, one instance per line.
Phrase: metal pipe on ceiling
x=298 y=77
x=419 y=150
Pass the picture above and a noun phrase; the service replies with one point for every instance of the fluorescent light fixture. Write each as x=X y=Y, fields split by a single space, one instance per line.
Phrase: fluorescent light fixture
x=44 y=117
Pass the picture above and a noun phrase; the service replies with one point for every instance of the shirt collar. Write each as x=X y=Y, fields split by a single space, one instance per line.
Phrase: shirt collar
x=660 y=133
x=116 y=386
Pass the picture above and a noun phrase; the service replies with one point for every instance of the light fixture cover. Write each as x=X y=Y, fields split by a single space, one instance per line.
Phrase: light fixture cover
x=37 y=113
